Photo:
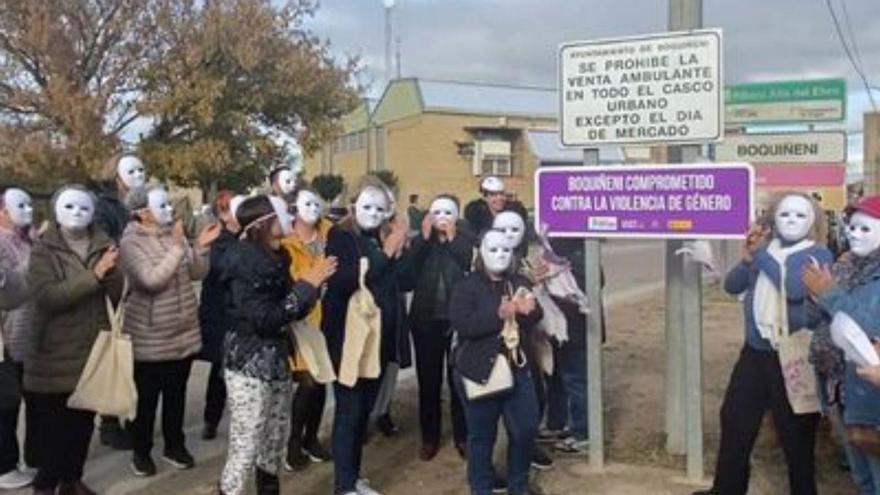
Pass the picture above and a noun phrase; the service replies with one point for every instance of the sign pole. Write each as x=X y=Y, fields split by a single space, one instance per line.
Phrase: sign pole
x=593 y=284
x=685 y=279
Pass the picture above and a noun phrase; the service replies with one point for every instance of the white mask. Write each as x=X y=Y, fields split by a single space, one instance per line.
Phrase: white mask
x=863 y=233
x=160 y=206
x=20 y=207
x=794 y=218
x=371 y=208
x=309 y=207
x=74 y=209
x=496 y=252
x=283 y=214
x=131 y=172
x=444 y=210
x=512 y=225
x=286 y=181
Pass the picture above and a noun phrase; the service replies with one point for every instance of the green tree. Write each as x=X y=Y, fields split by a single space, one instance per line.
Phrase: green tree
x=328 y=186
x=68 y=84
x=238 y=86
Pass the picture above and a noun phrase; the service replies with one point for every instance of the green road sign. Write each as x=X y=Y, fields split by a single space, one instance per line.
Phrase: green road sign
x=819 y=100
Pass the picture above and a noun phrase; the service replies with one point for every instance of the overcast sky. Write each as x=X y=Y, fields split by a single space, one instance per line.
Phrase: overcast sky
x=515 y=41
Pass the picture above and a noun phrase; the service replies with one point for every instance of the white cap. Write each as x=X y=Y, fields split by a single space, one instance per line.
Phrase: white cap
x=492 y=184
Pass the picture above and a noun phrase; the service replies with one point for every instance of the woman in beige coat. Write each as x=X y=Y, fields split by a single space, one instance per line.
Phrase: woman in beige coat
x=161 y=315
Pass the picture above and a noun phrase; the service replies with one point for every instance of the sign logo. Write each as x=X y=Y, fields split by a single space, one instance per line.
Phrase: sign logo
x=603 y=224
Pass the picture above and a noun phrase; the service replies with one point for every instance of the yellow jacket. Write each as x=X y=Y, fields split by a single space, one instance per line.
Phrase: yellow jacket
x=302 y=260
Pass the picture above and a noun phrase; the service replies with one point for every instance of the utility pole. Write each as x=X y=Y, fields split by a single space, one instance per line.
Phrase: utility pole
x=871 y=157
x=398 y=41
x=389 y=7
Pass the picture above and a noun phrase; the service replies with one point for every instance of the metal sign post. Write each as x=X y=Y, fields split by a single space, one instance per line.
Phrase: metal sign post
x=595 y=400
x=665 y=89
x=685 y=307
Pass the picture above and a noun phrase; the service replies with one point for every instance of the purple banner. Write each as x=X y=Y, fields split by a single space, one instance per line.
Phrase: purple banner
x=709 y=201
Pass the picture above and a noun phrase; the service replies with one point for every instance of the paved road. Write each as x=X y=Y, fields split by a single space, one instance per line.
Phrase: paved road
x=633 y=270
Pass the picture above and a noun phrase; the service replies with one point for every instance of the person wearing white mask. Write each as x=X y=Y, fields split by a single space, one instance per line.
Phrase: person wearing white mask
x=161 y=316
x=72 y=269
x=305 y=246
x=441 y=257
x=282 y=183
x=17 y=312
x=123 y=173
x=852 y=286
x=381 y=414
x=514 y=227
x=493 y=313
x=361 y=235
x=769 y=275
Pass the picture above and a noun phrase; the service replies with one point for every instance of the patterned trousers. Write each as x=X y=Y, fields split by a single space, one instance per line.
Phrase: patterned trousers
x=258 y=429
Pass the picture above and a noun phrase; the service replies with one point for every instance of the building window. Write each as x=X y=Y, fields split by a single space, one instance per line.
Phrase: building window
x=496 y=165
x=492 y=157
x=352 y=141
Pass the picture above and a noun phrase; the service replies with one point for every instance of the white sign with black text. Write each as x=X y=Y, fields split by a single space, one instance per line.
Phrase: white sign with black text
x=663 y=88
x=784 y=147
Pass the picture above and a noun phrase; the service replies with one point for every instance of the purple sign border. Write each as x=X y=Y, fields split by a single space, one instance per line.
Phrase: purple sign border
x=635 y=168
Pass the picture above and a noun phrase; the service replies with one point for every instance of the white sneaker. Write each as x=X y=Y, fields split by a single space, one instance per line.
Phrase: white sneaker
x=363 y=487
x=15 y=479
x=572 y=446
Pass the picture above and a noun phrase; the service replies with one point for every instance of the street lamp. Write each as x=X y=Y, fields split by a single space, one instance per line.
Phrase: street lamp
x=389 y=5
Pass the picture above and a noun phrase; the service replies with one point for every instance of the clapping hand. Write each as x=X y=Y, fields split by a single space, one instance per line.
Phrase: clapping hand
x=107 y=262
x=207 y=236
x=321 y=271
x=818 y=279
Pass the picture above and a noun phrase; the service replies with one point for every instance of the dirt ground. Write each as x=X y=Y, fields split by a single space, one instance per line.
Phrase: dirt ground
x=638 y=464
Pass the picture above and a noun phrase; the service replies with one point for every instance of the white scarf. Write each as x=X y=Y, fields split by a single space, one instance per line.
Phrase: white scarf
x=770 y=304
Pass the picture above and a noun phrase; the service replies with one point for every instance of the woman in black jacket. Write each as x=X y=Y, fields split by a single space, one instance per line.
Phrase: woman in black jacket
x=258 y=376
x=360 y=235
x=214 y=319
x=480 y=305
x=441 y=255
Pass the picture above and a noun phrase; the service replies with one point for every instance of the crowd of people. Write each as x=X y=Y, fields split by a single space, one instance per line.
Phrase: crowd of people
x=284 y=303
x=798 y=361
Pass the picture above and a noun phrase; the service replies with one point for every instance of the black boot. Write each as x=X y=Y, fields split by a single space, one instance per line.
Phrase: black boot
x=267 y=484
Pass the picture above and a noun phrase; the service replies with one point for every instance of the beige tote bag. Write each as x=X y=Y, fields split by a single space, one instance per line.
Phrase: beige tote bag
x=312 y=348
x=363 y=334
x=799 y=375
x=106 y=385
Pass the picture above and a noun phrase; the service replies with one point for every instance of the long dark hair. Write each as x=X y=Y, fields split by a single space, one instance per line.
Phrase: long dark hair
x=252 y=216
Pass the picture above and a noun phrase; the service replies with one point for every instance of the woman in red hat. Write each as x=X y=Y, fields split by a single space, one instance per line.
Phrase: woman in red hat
x=852 y=287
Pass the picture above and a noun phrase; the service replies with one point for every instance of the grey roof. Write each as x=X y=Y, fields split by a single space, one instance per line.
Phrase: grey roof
x=490 y=99
x=547 y=147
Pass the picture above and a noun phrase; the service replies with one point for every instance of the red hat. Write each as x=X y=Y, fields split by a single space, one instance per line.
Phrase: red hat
x=869 y=205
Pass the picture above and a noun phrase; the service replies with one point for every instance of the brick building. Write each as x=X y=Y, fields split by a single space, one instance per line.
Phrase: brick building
x=440 y=136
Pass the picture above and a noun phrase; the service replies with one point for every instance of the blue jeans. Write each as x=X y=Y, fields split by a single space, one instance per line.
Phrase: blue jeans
x=567 y=394
x=353 y=407
x=519 y=408
x=865 y=470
